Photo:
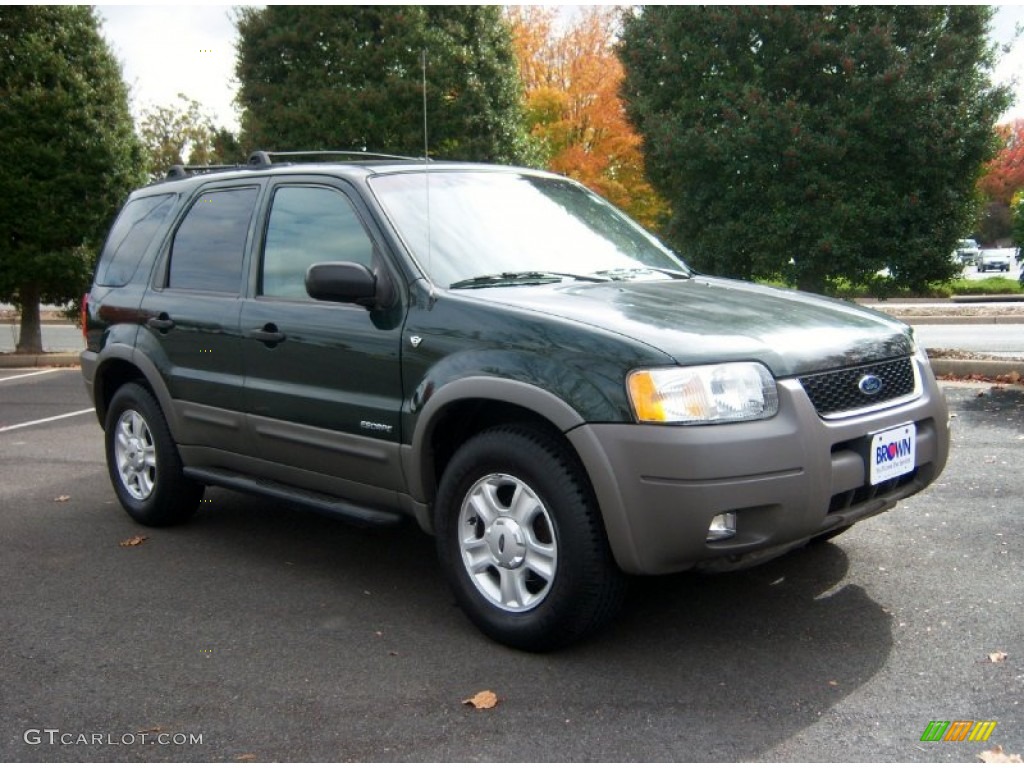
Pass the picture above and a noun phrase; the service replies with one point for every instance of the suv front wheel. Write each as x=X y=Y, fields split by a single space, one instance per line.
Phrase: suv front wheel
x=143 y=461
x=520 y=539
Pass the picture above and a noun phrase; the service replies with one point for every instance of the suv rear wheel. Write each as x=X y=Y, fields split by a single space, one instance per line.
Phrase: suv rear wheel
x=521 y=541
x=143 y=461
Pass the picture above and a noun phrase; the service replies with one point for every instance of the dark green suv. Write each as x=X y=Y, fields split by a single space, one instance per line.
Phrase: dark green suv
x=502 y=356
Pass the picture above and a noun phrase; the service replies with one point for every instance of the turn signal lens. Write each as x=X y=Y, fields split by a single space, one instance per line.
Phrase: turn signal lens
x=647 y=401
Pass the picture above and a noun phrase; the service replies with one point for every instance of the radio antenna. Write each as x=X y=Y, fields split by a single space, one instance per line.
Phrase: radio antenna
x=426 y=172
x=423 y=69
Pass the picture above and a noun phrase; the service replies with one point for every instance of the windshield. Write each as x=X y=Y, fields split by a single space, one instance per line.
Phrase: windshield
x=488 y=227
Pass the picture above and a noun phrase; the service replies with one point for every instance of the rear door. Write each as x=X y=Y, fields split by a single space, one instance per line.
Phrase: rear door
x=191 y=325
x=323 y=384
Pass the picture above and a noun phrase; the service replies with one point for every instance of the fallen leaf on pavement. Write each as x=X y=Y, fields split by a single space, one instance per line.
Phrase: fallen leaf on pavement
x=483 y=700
x=134 y=541
x=998 y=756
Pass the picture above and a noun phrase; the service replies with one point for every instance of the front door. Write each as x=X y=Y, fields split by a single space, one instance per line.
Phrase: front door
x=323 y=383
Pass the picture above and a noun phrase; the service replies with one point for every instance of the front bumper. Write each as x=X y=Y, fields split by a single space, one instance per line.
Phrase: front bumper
x=788 y=479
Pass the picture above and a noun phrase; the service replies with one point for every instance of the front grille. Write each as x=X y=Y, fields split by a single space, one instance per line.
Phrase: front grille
x=837 y=392
x=841 y=502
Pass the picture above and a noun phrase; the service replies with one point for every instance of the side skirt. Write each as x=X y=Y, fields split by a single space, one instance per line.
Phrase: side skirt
x=317 y=502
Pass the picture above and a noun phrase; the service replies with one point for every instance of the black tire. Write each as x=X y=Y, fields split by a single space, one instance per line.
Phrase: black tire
x=148 y=480
x=558 y=561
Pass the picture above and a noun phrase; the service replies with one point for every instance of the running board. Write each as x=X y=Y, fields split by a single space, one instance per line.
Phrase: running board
x=331 y=506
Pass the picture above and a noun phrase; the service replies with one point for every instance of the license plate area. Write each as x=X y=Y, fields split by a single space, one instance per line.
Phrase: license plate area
x=893 y=452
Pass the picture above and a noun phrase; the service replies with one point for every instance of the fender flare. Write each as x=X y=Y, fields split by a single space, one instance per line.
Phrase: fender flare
x=150 y=373
x=417 y=459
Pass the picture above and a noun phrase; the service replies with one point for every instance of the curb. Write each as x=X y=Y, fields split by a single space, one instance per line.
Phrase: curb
x=960 y=320
x=990 y=369
x=45 y=360
x=984 y=298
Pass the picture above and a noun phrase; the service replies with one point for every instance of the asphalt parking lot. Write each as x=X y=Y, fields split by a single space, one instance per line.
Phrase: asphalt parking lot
x=260 y=633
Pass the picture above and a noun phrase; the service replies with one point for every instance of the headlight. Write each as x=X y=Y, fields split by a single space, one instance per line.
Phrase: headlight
x=703 y=394
x=918 y=350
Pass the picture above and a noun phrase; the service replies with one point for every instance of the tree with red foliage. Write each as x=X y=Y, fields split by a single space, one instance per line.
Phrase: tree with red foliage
x=571 y=79
x=1004 y=175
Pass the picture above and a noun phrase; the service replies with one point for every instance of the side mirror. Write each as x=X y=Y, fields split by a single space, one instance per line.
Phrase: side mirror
x=342 y=281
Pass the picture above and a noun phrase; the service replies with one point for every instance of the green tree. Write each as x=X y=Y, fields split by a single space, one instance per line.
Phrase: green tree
x=815 y=142
x=175 y=134
x=68 y=155
x=995 y=223
x=350 y=77
x=227 y=150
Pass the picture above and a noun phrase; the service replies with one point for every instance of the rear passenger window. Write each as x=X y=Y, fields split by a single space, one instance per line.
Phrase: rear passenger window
x=309 y=225
x=209 y=245
x=130 y=237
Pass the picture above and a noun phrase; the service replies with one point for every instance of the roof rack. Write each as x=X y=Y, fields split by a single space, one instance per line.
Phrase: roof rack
x=184 y=171
x=264 y=159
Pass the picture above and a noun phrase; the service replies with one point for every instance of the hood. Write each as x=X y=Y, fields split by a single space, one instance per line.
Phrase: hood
x=711 y=320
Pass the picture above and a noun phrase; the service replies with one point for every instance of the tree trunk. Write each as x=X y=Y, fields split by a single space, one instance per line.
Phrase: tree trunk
x=30 y=339
x=811 y=281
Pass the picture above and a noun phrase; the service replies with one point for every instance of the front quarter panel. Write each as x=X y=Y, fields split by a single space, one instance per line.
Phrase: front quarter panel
x=456 y=350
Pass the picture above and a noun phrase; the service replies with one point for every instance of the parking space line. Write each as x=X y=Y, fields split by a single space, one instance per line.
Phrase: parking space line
x=44 y=421
x=33 y=373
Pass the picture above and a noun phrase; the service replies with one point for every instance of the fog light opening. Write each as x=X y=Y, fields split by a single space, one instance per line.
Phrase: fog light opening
x=722 y=527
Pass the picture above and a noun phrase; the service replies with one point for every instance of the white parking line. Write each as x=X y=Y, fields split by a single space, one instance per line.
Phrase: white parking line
x=34 y=373
x=44 y=421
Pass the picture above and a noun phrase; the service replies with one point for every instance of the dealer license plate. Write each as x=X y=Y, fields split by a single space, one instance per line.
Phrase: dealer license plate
x=892 y=453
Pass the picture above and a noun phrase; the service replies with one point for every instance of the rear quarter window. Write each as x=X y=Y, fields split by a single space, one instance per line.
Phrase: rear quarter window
x=129 y=239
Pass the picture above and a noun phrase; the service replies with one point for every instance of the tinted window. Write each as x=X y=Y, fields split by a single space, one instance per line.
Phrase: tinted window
x=309 y=225
x=130 y=237
x=210 y=243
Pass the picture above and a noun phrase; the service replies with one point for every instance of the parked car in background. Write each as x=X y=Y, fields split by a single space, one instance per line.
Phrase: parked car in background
x=968 y=252
x=997 y=259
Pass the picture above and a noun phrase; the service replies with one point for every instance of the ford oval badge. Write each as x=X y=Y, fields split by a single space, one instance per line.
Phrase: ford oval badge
x=870 y=385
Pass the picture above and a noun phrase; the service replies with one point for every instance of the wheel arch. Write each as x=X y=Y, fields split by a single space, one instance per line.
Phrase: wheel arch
x=467 y=407
x=121 y=366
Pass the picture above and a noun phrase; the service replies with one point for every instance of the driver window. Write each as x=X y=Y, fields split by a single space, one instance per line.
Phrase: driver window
x=309 y=225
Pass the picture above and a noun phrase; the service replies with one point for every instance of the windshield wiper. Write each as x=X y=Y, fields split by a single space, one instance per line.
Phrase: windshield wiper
x=523 y=278
x=631 y=273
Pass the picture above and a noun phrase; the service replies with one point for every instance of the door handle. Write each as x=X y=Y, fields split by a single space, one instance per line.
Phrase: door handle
x=268 y=334
x=161 y=322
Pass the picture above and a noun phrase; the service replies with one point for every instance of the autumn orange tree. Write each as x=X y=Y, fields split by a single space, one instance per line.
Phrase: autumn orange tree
x=571 y=78
x=1004 y=174
x=1001 y=180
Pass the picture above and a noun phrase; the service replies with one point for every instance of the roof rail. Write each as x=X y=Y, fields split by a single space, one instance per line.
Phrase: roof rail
x=184 y=171
x=263 y=159
x=267 y=158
